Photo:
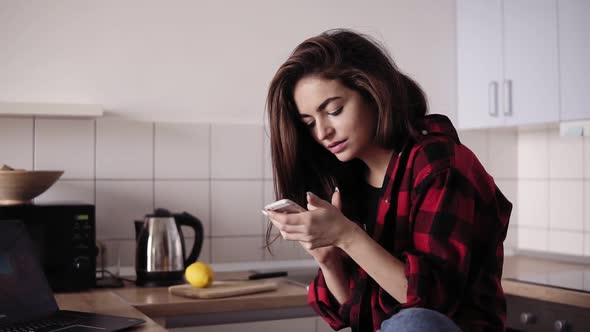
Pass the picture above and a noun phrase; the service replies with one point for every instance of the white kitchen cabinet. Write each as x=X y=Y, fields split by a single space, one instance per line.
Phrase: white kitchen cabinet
x=479 y=59
x=574 y=58
x=507 y=62
x=531 y=80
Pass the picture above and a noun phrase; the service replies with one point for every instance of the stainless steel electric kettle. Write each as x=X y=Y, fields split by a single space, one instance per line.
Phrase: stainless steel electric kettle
x=160 y=253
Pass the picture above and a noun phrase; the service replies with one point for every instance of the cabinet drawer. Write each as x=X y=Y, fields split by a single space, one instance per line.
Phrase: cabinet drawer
x=526 y=314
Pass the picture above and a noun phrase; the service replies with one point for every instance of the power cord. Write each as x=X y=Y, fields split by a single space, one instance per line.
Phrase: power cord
x=111 y=281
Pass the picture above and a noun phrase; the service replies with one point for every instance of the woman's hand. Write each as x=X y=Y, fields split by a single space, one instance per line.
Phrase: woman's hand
x=319 y=230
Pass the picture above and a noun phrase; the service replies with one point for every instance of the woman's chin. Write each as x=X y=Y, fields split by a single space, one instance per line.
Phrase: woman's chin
x=344 y=157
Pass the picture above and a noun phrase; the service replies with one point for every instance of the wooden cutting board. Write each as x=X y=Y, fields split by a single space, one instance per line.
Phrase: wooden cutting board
x=224 y=289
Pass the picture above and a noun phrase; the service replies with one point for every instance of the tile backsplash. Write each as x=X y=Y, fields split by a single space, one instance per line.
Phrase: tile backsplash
x=217 y=172
x=221 y=173
x=547 y=177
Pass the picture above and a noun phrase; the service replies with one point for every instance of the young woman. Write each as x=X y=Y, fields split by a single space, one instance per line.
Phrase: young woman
x=405 y=223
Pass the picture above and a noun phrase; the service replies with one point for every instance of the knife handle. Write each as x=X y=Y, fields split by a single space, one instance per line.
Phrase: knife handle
x=266 y=275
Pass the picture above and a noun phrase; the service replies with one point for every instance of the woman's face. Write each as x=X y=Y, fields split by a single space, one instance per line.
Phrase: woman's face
x=337 y=117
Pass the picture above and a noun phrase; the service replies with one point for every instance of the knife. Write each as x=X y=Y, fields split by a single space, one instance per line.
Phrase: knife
x=260 y=275
x=265 y=275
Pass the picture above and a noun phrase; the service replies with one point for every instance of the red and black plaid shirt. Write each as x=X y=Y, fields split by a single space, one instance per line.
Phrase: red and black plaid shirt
x=443 y=216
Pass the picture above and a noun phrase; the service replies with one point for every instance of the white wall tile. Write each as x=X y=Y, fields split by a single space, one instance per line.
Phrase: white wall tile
x=236 y=151
x=236 y=249
x=65 y=144
x=236 y=207
x=124 y=149
x=119 y=253
x=587 y=206
x=533 y=156
x=566 y=210
x=532 y=239
x=587 y=246
x=69 y=190
x=205 y=255
x=190 y=196
x=511 y=240
x=269 y=197
x=268 y=172
x=478 y=142
x=569 y=243
x=533 y=203
x=182 y=151
x=566 y=155
x=118 y=204
x=586 y=143
x=16 y=142
x=503 y=153
x=510 y=189
x=283 y=250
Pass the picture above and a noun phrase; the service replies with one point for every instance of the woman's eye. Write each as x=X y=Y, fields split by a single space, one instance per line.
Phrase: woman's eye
x=336 y=112
x=309 y=124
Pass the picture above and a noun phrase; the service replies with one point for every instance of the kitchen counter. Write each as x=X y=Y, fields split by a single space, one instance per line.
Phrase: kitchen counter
x=290 y=300
x=157 y=302
x=518 y=266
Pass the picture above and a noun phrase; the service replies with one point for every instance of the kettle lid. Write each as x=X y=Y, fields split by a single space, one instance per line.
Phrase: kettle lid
x=160 y=213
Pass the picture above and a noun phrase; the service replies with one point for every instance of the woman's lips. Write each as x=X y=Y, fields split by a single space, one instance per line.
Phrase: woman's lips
x=338 y=147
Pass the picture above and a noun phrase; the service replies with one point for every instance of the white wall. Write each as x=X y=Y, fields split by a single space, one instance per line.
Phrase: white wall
x=204 y=61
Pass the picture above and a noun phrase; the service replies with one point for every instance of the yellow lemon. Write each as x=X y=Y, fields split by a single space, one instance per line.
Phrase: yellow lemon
x=199 y=275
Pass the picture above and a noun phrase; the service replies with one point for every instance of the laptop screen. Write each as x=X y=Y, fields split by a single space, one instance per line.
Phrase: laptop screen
x=24 y=291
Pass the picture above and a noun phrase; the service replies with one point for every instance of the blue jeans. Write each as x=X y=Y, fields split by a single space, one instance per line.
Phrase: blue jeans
x=419 y=320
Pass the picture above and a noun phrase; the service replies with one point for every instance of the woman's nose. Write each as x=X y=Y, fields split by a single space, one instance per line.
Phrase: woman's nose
x=324 y=130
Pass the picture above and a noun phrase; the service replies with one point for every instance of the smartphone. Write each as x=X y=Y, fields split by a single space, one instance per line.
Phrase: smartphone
x=285 y=206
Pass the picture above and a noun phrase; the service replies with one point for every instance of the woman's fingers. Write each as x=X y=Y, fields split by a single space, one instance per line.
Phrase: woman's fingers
x=336 y=199
x=287 y=219
x=288 y=228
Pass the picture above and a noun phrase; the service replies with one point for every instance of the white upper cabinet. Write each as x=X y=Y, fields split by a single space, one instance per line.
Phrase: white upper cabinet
x=479 y=43
x=574 y=59
x=531 y=79
x=507 y=62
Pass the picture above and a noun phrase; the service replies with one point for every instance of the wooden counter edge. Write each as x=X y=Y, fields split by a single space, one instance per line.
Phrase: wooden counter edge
x=546 y=293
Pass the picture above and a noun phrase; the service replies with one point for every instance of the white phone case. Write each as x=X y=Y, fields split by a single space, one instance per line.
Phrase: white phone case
x=285 y=206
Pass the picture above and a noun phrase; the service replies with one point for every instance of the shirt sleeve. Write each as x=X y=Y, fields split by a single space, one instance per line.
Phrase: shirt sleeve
x=324 y=303
x=443 y=212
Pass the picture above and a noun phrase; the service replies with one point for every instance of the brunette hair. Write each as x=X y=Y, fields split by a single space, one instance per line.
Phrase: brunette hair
x=360 y=63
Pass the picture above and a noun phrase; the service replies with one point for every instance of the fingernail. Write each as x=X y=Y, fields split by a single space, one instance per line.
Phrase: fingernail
x=264 y=212
x=310 y=194
x=337 y=190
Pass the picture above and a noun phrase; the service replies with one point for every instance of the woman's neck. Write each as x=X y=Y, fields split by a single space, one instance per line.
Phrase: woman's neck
x=377 y=161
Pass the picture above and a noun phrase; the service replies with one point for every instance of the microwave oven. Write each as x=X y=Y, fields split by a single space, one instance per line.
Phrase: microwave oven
x=64 y=240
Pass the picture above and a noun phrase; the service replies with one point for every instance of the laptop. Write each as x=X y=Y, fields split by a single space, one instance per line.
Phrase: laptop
x=26 y=300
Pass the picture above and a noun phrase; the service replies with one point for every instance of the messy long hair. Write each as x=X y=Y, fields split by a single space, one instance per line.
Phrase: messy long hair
x=360 y=63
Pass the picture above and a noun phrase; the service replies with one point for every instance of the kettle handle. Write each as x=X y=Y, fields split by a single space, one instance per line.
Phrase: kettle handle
x=193 y=222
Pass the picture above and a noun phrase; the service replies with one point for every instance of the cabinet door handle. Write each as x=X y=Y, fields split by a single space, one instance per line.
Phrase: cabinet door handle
x=527 y=318
x=508 y=97
x=493 y=98
x=561 y=325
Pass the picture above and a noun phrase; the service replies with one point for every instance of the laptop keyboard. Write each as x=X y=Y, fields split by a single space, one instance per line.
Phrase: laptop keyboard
x=43 y=325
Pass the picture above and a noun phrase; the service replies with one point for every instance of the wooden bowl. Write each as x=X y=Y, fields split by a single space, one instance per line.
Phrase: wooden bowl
x=20 y=186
